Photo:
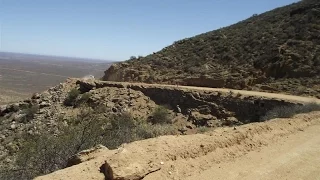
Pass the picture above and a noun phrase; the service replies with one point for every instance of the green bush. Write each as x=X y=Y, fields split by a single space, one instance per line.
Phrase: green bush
x=71 y=97
x=161 y=115
x=289 y=111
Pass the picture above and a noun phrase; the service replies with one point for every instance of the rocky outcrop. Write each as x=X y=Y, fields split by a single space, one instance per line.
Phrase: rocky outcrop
x=197 y=108
x=205 y=81
x=218 y=105
x=86 y=155
x=30 y=117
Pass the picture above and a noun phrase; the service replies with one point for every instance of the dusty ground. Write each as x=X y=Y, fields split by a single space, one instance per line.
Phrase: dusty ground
x=294 y=157
x=277 y=149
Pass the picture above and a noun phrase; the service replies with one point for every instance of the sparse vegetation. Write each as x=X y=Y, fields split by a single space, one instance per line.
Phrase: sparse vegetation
x=84 y=98
x=203 y=129
x=133 y=58
x=289 y=111
x=72 y=97
x=146 y=130
x=161 y=115
x=30 y=112
x=267 y=51
x=45 y=153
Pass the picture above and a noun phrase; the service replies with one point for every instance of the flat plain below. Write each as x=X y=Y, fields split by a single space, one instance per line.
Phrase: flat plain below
x=22 y=75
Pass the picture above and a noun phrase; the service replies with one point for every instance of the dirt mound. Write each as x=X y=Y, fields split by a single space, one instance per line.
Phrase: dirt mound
x=277 y=51
x=177 y=157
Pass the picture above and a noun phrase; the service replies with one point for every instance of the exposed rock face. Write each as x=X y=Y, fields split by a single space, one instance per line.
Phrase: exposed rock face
x=3 y=109
x=277 y=51
x=113 y=73
x=220 y=106
x=205 y=81
x=86 y=86
x=46 y=111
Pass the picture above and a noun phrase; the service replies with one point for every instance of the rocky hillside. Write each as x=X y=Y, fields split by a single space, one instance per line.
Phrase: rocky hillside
x=186 y=157
x=277 y=51
x=79 y=114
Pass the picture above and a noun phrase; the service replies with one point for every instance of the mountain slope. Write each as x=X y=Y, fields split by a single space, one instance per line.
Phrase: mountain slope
x=278 y=51
x=228 y=153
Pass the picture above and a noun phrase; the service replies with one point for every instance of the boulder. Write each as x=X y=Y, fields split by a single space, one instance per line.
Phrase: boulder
x=201 y=119
x=85 y=155
x=3 y=110
x=231 y=121
x=2 y=137
x=19 y=117
x=86 y=86
x=13 y=126
x=36 y=101
x=44 y=104
x=213 y=123
x=12 y=148
x=14 y=107
x=36 y=96
x=23 y=105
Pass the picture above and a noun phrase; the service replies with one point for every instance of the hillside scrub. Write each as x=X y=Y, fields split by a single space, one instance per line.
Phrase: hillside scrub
x=277 y=51
x=289 y=111
x=45 y=153
x=84 y=98
x=161 y=115
x=72 y=97
x=30 y=112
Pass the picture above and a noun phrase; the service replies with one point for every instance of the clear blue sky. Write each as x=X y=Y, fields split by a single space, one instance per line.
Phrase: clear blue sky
x=115 y=29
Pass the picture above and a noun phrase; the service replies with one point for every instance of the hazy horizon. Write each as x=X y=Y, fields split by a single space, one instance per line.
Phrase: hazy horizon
x=114 y=30
x=58 y=56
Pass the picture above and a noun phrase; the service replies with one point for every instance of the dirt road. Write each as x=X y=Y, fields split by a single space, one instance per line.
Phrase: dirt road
x=293 y=157
x=292 y=98
x=276 y=149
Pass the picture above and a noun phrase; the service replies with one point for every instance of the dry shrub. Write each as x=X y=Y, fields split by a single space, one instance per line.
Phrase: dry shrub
x=45 y=153
x=71 y=97
x=289 y=111
x=161 y=115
